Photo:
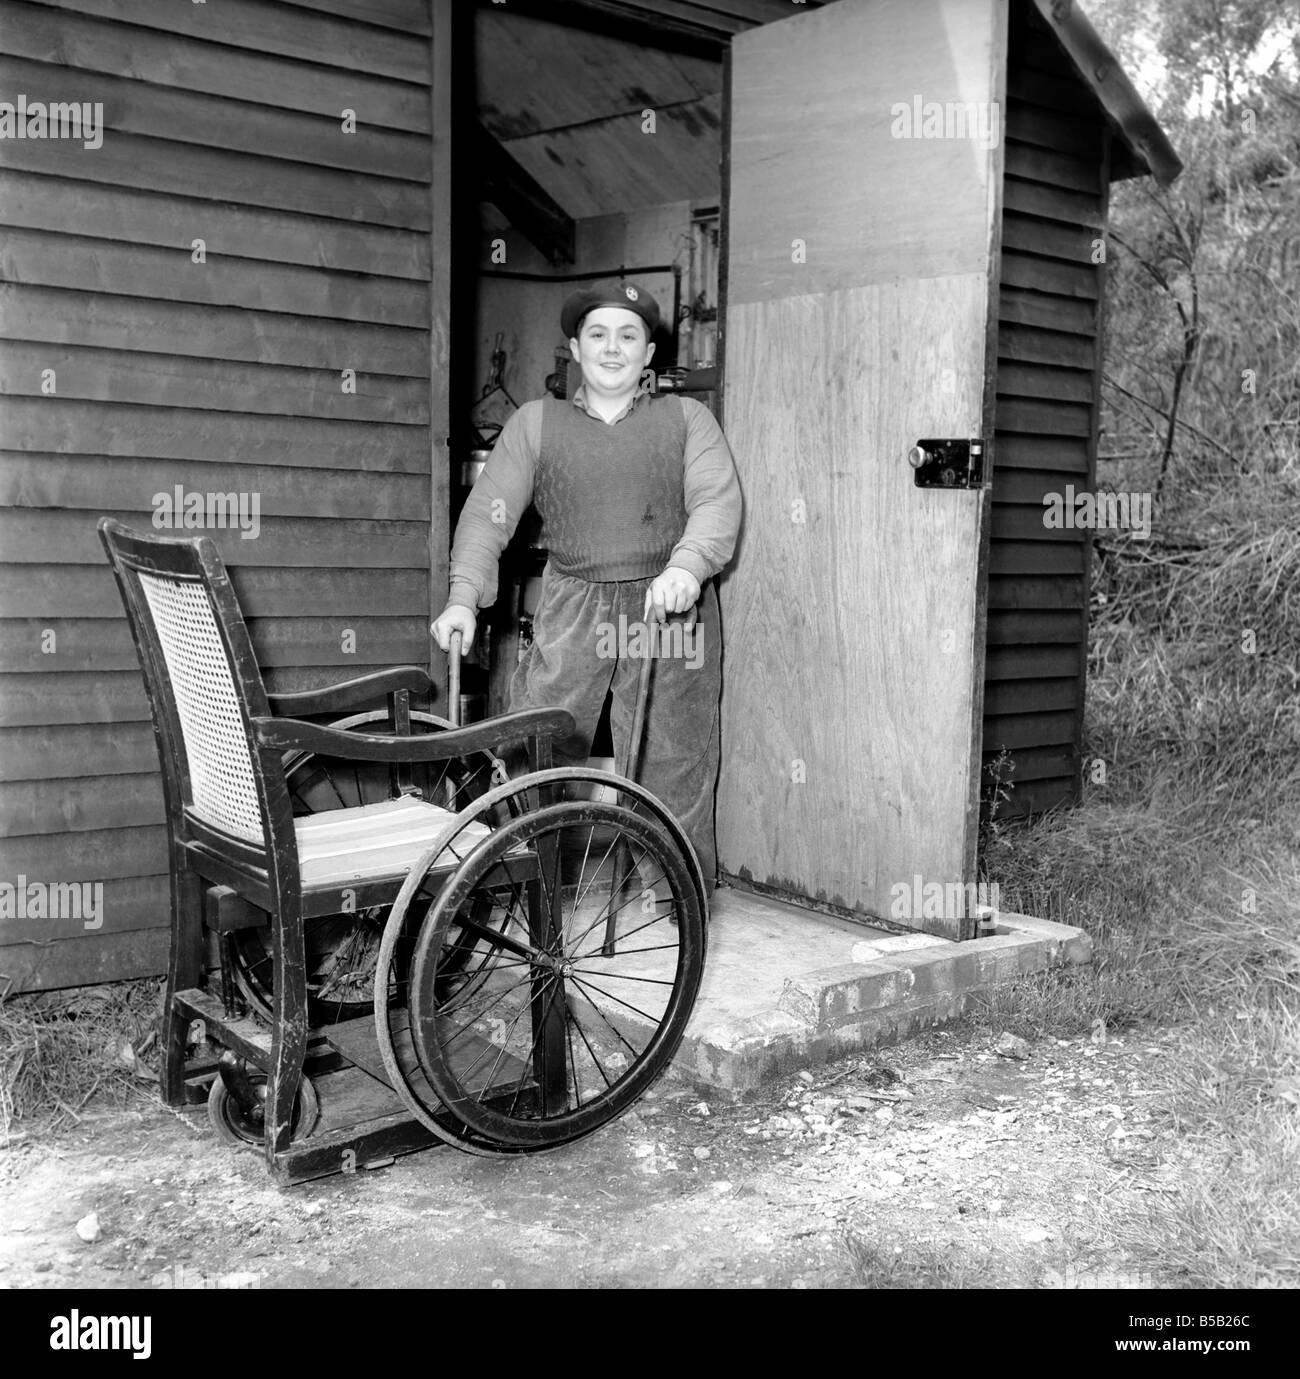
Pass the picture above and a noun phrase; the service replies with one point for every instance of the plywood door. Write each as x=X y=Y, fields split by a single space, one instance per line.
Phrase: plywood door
x=861 y=252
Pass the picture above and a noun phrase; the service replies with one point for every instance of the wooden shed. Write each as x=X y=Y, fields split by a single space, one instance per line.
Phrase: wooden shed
x=255 y=287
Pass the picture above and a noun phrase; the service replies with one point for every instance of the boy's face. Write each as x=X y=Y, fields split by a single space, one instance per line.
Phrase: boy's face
x=612 y=347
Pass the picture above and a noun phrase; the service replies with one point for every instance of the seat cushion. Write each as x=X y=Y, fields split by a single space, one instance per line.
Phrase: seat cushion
x=375 y=840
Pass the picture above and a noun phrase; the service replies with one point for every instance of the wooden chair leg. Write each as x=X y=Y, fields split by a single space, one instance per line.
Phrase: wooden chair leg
x=289 y=1035
x=184 y=970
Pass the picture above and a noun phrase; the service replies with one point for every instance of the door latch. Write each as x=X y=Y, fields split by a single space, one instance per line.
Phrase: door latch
x=948 y=463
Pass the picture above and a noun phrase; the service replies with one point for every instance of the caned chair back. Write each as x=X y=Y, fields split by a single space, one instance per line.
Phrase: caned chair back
x=200 y=673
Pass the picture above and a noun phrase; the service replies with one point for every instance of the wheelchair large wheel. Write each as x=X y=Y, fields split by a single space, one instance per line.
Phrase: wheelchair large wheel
x=342 y=949
x=543 y=1024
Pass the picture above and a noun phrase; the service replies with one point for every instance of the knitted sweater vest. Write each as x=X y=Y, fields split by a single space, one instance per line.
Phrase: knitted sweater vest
x=611 y=498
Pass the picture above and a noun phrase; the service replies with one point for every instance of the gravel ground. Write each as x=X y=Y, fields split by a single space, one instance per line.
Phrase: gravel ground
x=951 y=1160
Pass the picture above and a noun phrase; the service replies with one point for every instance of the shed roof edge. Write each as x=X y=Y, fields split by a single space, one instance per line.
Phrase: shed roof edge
x=1100 y=69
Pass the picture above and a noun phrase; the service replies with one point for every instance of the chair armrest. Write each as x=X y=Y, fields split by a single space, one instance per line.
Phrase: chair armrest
x=510 y=729
x=352 y=693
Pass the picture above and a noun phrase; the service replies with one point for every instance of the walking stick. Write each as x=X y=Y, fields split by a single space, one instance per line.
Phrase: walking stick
x=629 y=768
x=453 y=707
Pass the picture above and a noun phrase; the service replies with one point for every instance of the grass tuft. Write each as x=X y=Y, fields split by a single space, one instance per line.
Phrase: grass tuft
x=59 y=1049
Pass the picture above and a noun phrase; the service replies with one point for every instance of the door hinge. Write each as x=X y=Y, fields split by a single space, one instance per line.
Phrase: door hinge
x=948 y=463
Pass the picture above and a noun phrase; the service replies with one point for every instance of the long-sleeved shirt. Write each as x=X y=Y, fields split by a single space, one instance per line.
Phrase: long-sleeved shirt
x=711 y=497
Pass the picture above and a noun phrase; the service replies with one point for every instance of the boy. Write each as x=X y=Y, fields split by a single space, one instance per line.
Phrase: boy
x=640 y=505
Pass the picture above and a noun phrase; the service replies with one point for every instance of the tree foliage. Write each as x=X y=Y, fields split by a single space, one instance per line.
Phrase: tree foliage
x=1203 y=294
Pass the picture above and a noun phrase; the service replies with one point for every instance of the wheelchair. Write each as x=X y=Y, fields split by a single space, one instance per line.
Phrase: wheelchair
x=380 y=939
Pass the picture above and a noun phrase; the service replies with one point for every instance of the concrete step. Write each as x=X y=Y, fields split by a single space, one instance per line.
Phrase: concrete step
x=787 y=988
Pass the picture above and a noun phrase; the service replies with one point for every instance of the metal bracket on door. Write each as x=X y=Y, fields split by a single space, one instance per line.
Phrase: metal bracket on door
x=948 y=463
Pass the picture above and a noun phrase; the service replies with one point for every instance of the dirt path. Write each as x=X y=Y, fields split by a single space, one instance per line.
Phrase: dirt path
x=937 y=1163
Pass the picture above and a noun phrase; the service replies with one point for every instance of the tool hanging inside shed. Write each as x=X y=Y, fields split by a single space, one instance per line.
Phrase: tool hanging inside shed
x=496 y=375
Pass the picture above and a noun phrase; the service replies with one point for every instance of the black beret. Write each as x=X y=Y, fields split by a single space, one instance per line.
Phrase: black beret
x=629 y=296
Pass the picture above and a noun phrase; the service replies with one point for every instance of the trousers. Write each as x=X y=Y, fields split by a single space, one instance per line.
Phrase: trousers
x=588 y=640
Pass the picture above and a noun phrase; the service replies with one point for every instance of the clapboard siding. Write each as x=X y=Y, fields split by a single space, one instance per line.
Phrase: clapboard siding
x=45 y=536
x=105 y=643
x=157 y=380
x=212 y=123
x=70 y=697
x=74 y=260
x=111 y=957
x=100 y=482
x=285 y=359
x=202 y=174
x=177 y=56
x=90 y=428
x=1048 y=382
x=56 y=315
x=234 y=232
x=259 y=27
x=41 y=751
x=106 y=854
x=89 y=592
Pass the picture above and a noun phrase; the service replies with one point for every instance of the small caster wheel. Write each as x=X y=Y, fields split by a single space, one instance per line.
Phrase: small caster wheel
x=242 y=1123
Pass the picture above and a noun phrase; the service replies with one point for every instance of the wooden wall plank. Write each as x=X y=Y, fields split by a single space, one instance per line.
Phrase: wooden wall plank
x=88 y=591
x=1029 y=123
x=1038 y=797
x=173 y=60
x=1019 y=379
x=72 y=261
x=1049 y=275
x=1050 y=238
x=1013 y=627
x=120 y=906
x=1023 y=731
x=1053 y=167
x=211 y=122
x=108 y=854
x=1062 y=454
x=94 y=428
x=1052 y=203
x=1028 y=522
x=105 y=644
x=303 y=35
x=102 y=483
x=1032 y=662
x=1012 y=485
x=84 y=961
x=1036 y=558
x=77 y=697
x=47 y=536
x=1030 y=696
x=118 y=697
x=49 y=315
x=1043 y=418
x=1031 y=308
x=1016 y=590
x=40 y=645
x=1054 y=88
x=77 y=804
x=83 y=750
x=1045 y=346
x=61 y=206
x=409 y=16
x=1058 y=761
x=209 y=174
x=159 y=380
